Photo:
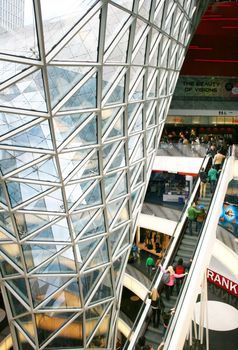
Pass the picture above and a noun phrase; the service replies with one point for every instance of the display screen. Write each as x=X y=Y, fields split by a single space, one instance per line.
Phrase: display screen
x=229 y=218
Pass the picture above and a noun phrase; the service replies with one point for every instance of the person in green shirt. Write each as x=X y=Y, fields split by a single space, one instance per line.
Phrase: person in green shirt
x=149 y=264
x=192 y=214
x=212 y=176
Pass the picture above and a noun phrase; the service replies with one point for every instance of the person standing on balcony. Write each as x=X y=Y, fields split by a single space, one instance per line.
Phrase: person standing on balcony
x=149 y=264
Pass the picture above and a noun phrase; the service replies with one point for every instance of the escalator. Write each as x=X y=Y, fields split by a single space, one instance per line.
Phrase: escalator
x=198 y=248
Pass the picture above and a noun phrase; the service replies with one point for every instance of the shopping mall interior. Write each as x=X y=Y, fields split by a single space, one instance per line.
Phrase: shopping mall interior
x=119 y=175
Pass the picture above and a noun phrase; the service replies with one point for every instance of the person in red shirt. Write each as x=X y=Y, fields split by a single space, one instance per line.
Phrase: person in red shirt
x=169 y=286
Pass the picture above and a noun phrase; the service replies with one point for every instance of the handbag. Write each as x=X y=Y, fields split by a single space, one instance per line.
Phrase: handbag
x=166 y=277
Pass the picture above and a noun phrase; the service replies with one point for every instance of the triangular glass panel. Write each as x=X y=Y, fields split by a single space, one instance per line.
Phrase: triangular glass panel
x=100 y=257
x=59 y=20
x=119 y=188
x=89 y=280
x=136 y=148
x=26 y=324
x=139 y=57
x=92 y=198
x=84 y=45
x=19 y=285
x=13 y=252
x=10 y=69
x=110 y=74
x=67 y=299
x=86 y=248
x=110 y=181
x=62 y=79
x=137 y=174
x=117 y=94
x=108 y=115
x=71 y=337
x=96 y=227
x=150 y=140
x=85 y=97
x=89 y=166
x=82 y=219
x=16 y=306
x=56 y=322
x=86 y=136
x=36 y=254
x=7 y=269
x=3 y=236
x=116 y=129
x=125 y=241
x=19 y=192
x=116 y=236
x=136 y=74
x=140 y=28
x=135 y=198
x=28 y=223
x=76 y=191
x=65 y=125
x=133 y=110
x=2 y=195
x=137 y=91
x=63 y=263
x=93 y=317
x=18 y=36
x=116 y=19
x=150 y=109
x=125 y=3
x=27 y=93
x=12 y=160
x=144 y=8
x=118 y=266
x=104 y=290
x=114 y=155
x=81 y=163
x=6 y=223
x=52 y=202
x=119 y=52
x=43 y=171
x=113 y=209
x=9 y=121
x=136 y=124
x=123 y=215
x=100 y=338
x=38 y=136
x=43 y=287
x=58 y=232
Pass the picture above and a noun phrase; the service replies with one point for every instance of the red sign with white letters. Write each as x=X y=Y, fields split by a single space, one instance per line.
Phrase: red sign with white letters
x=222 y=282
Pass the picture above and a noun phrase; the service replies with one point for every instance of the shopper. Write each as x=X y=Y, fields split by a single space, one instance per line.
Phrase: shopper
x=212 y=176
x=203 y=183
x=200 y=218
x=172 y=276
x=218 y=160
x=192 y=214
x=179 y=269
x=157 y=307
x=149 y=264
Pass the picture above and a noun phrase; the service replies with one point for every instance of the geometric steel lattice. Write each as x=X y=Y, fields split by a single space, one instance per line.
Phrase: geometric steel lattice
x=85 y=90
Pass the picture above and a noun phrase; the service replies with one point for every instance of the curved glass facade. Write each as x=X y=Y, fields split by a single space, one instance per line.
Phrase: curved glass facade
x=85 y=90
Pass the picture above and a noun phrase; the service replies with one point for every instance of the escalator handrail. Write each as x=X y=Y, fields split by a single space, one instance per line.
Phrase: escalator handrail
x=185 y=287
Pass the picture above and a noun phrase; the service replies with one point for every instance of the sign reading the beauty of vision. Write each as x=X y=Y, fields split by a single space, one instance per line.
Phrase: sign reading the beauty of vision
x=206 y=86
x=222 y=282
